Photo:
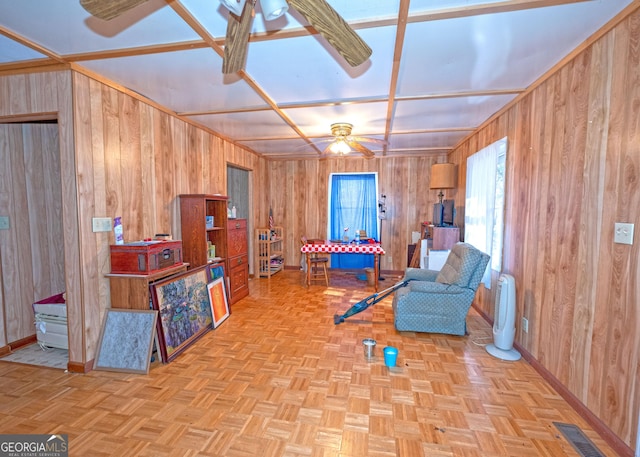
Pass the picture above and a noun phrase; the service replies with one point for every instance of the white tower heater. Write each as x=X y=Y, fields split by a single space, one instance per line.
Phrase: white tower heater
x=504 y=328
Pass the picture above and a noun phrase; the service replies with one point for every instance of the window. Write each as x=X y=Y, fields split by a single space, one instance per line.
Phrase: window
x=353 y=205
x=484 y=204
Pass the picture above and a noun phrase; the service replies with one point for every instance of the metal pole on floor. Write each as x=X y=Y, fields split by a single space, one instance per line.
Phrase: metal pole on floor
x=382 y=215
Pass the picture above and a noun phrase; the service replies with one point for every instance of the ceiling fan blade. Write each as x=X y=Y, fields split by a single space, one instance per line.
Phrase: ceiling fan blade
x=367 y=140
x=108 y=9
x=335 y=29
x=237 y=40
x=361 y=149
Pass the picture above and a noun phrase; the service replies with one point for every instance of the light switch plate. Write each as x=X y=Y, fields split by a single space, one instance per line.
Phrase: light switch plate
x=101 y=224
x=4 y=222
x=623 y=233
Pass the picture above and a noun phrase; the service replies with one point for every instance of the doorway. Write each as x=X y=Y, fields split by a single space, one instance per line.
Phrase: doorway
x=31 y=247
x=239 y=193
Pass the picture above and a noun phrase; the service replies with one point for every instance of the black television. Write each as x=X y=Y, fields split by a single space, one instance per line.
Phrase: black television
x=444 y=213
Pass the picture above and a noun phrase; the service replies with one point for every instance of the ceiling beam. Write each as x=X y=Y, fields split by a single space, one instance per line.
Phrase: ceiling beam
x=401 y=28
x=217 y=44
x=30 y=44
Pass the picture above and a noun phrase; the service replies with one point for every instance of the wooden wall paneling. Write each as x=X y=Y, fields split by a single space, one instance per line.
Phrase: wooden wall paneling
x=20 y=222
x=184 y=182
x=573 y=144
x=393 y=237
x=166 y=202
x=150 y=217
x=605 y=337
x=131 y=167
x=112 y=155
x=52 y=231
x=217 y=176
x=545 y=221
x=522 y=241
x=309 y=194
x=16 y=250
x=301 y=204
x=591 y=210
x=620 y=395
x=53 y=211
x=627 y=353
x=195 y=155
x=73 y=268
x=6 y=236
x=570 y=216
x=93 y=275
x=317 y=202
x=17 y=97
x=261 y=192
x=91 y=139
x=36 y=199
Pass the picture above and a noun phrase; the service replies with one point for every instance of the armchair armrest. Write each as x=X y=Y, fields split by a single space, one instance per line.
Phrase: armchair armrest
x=436 y=288
x=420 y=274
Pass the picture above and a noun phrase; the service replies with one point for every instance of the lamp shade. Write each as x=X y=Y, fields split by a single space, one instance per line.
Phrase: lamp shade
x=235 y=6
x=443 y=176
x=273 y=9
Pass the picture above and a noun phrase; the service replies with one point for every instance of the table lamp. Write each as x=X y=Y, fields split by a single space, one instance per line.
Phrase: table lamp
x=443 y=176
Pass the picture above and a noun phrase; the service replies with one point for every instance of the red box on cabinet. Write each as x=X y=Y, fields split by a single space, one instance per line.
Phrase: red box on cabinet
x=145 y=257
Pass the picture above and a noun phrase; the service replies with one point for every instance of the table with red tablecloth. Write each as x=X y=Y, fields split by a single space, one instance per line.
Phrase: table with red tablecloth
x=344 y=248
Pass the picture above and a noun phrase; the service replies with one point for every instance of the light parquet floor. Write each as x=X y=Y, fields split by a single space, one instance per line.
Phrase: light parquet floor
x=278 y=378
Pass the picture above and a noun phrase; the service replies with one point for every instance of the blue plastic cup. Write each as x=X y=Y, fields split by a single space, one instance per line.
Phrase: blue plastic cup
x=390 y=356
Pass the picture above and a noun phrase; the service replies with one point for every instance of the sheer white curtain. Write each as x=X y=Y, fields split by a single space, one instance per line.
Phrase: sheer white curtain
x=484 y=203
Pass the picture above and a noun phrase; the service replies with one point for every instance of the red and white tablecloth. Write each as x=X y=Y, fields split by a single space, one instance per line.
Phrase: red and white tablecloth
x=343 y=248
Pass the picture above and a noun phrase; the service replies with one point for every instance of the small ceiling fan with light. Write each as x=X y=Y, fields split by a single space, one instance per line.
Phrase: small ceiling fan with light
x=343 y=142
x=322 y=17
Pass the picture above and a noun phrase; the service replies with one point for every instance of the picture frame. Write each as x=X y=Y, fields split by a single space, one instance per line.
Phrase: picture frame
x=184 y=311
x=215 y=271
x=218 y=299
x=126 y=340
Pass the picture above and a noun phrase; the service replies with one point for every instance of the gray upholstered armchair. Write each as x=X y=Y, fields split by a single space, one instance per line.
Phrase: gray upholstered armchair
x=438 y=302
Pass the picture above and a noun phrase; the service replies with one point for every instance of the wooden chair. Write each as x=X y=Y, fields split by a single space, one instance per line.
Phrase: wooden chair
x=317 y=262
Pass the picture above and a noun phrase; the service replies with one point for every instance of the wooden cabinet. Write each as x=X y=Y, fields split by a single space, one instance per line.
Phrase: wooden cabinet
x=194 y=210
x=129 y=291
x=445 y=237
x=237 y=259
x=269 y=251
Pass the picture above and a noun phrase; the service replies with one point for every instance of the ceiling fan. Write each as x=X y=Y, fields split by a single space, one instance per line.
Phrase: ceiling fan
x=322 y=17
x=343 y=142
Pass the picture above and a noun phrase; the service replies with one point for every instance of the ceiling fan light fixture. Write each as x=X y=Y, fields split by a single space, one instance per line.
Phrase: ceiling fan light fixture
x=273 y=9
x=340 y=146
x=235 y=6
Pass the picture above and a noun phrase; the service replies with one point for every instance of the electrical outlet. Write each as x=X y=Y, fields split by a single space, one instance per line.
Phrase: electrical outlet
x=525 y=325
x=623 y=233
x=4 y=222
x=101 y=224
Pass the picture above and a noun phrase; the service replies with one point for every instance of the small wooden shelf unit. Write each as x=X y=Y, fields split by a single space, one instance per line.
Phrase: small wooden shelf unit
x=269 y=251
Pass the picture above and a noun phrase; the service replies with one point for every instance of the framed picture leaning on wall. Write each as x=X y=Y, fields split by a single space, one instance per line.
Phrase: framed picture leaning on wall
x=184 y=311
x=219 y=303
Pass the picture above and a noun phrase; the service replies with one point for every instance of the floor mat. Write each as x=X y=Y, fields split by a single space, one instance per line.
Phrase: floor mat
x=36 y=355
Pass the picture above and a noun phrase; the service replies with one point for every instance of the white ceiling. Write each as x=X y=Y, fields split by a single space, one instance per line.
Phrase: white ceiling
x=425 y=87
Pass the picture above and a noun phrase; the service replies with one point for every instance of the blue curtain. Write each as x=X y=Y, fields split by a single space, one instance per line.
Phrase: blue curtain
x=354 y=206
